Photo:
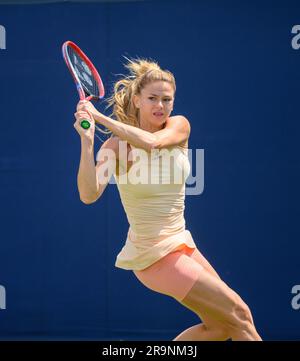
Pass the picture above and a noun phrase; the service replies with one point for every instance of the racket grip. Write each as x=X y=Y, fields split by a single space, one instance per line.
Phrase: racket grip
x=85 y=124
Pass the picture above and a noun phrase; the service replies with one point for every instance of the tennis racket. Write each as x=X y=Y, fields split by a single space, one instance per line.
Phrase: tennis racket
x=87 y=79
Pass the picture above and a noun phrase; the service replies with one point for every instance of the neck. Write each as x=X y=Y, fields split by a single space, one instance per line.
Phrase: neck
x=150 y=127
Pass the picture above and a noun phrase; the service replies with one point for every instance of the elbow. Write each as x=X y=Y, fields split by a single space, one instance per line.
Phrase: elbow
x=85 y=201
x=89 y=200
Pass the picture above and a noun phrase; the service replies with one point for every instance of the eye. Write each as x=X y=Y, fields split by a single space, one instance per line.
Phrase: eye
x=151 y=98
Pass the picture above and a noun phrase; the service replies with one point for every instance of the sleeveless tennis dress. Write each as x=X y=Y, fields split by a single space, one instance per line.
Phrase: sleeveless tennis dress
x=153 y=194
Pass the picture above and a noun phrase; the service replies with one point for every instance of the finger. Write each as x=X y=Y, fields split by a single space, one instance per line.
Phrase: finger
x=82 y=115
x=83 y=112
x=81 y=105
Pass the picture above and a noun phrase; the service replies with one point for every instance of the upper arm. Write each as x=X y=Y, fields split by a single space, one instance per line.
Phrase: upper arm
x=176 y=132
x=106 y=162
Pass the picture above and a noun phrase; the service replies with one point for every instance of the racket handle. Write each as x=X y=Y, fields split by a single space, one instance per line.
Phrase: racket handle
x=85 y=124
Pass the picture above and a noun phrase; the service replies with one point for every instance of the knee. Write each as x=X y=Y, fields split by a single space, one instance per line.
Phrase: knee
x=243 y=312
x=241 y=317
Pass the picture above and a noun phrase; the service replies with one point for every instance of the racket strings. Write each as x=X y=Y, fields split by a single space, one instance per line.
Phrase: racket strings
x=88 y=82
x=84 y=74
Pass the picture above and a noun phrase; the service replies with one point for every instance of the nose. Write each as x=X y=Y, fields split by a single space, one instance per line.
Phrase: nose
x=160 y=104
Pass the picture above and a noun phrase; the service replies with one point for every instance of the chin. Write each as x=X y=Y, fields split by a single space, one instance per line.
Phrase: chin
x=160 y=124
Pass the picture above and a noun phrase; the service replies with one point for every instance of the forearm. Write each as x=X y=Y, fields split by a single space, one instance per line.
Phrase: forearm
x=133 y=135
x=87 y=178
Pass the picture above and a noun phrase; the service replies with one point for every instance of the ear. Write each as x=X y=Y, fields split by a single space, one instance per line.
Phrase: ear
x=136 y=101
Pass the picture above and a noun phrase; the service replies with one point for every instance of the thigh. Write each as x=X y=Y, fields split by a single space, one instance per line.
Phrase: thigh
x=199 y=289
x=212 y=300
x=210 y=322
x=172 y=275
x=199 y=258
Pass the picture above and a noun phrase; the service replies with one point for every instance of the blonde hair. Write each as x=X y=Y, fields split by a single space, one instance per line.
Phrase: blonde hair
x=141 y=73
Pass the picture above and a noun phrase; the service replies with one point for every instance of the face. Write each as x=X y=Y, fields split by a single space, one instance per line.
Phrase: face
x=155 y=104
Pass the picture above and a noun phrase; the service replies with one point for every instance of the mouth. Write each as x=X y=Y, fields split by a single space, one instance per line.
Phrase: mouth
x=158 y=114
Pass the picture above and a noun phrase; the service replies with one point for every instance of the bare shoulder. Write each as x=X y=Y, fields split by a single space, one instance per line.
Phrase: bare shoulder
x=179 y=121
x=182 y=127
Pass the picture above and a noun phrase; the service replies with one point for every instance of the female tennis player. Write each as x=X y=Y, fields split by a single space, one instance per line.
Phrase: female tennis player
x=159 y=249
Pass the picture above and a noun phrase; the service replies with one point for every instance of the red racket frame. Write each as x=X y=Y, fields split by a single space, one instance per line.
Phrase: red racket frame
x=74 y=75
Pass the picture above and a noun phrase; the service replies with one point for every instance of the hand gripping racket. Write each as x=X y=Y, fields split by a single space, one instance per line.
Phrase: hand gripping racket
x=87 y=79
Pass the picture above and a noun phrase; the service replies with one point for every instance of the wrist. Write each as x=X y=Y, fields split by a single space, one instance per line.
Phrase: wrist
x=87 y=142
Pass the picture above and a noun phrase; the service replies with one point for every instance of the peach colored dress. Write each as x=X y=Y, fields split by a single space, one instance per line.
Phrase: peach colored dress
x=153 y=196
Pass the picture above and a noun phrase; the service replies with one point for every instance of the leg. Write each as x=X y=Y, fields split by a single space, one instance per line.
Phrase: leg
x=199 y=258
x=181 y=277
x=210 y=330
x=200 y=332
x=172 y=276
x=211 y=297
